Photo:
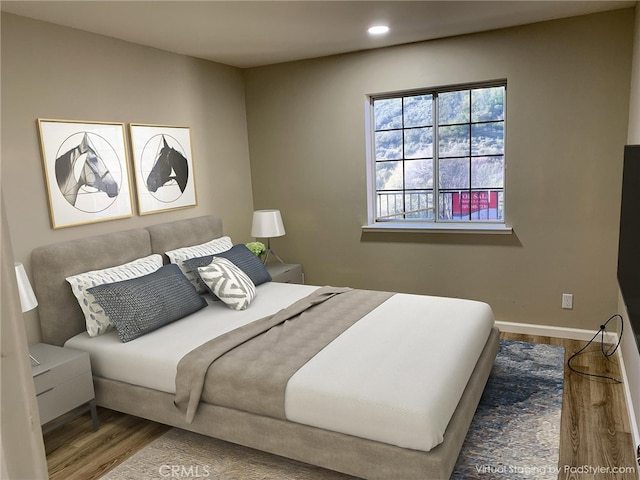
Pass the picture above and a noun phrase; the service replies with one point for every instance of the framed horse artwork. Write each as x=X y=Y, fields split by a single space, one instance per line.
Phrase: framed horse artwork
x=163 y=167
x=86 y=171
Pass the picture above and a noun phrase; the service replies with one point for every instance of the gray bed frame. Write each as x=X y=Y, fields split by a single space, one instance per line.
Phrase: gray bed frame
x=61 y=319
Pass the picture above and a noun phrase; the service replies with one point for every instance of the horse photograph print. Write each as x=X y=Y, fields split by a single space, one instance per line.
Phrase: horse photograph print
x=170 y=166
x=86 y=171
x=82 y=166
x=163 y=167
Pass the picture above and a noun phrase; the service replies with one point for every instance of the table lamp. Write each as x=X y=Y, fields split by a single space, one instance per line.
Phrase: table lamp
x=28 y=299
x=267 y=224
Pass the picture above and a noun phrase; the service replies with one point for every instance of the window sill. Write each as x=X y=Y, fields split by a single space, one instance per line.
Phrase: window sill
x=475 y=228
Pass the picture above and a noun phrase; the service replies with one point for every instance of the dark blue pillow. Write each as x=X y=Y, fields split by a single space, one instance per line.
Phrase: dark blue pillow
x=241 y=257
x=191 y=266
x=141 y=305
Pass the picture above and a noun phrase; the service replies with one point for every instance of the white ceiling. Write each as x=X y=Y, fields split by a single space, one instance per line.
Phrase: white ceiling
x=254 y=33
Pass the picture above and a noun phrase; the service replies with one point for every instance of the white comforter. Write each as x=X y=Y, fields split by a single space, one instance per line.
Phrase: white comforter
x=396 y=376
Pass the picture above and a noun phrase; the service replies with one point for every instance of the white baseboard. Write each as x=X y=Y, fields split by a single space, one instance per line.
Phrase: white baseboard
x=551 y=331
x=635 y=433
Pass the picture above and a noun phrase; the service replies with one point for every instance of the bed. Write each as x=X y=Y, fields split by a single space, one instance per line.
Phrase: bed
x=333 y=411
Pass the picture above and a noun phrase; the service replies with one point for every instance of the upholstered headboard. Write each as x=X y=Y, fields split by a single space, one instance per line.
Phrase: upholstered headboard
x=183 y=233
x=60 y=315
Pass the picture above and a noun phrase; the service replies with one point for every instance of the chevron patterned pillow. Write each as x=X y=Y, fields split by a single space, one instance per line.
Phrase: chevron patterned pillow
x=228 y=282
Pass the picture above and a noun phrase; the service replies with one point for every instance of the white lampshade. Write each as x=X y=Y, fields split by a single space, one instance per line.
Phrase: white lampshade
x=267 y=224
x=28 y=299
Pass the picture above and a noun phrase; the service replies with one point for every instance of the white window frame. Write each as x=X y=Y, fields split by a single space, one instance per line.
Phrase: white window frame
x=437 y=225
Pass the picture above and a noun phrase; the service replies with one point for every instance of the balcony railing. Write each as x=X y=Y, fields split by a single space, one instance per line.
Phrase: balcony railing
x=454 y=205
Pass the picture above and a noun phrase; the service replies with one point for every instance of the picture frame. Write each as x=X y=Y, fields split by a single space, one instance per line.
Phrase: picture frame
x=163 y=167
x=86 y=171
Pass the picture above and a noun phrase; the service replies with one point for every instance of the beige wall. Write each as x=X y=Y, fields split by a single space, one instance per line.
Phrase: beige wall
x=568 y=104
x=633 y=136
x=55 y=72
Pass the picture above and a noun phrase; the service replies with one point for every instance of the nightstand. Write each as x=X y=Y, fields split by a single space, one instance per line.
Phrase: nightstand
x=63 y=382
x=285 y=272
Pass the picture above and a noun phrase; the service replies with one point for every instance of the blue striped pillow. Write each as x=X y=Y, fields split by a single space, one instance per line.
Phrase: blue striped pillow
x=241 y=257
x=141 y=305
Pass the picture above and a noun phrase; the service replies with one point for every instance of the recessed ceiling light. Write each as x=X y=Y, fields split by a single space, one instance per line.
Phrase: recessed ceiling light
x=378 y=29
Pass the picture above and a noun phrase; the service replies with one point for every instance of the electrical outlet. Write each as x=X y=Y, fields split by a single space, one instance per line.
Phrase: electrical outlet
x=567 y=301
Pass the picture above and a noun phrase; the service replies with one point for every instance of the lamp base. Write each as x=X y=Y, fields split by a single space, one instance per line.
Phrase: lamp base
x=271 y=252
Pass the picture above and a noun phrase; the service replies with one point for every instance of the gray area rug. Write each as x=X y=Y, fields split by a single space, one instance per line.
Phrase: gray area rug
x=515 y=434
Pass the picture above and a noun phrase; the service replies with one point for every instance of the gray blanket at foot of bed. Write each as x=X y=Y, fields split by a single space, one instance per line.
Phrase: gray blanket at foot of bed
x=248 y=368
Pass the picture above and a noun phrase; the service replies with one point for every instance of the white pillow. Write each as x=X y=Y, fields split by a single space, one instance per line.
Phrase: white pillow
x=229 y=283
x=97 y=320
x=179 y=255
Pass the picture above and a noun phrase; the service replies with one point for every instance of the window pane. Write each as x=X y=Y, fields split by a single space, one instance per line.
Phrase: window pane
x=387 y=113
x=418 y=143
x=418 y=111
x=454 y=173
x=389 y=175
x=454 y=141
x=467 y=182
x=418 y=174
x=487 y=172
x=453 y=107
x=388 y=204
x=487 y=139
x=388 y=145
x=487 y=104
x=484 y=205
x=471 y=205
x=445 y=205
x=421 y=204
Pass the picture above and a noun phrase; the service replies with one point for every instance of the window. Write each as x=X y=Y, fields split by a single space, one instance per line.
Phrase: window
x=438 y=156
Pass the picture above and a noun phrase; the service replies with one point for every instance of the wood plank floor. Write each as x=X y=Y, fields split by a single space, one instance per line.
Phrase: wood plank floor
x=595 y=432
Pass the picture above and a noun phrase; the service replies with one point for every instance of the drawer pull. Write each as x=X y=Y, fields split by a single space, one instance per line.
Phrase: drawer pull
x=47 y=390
x=42 y=373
